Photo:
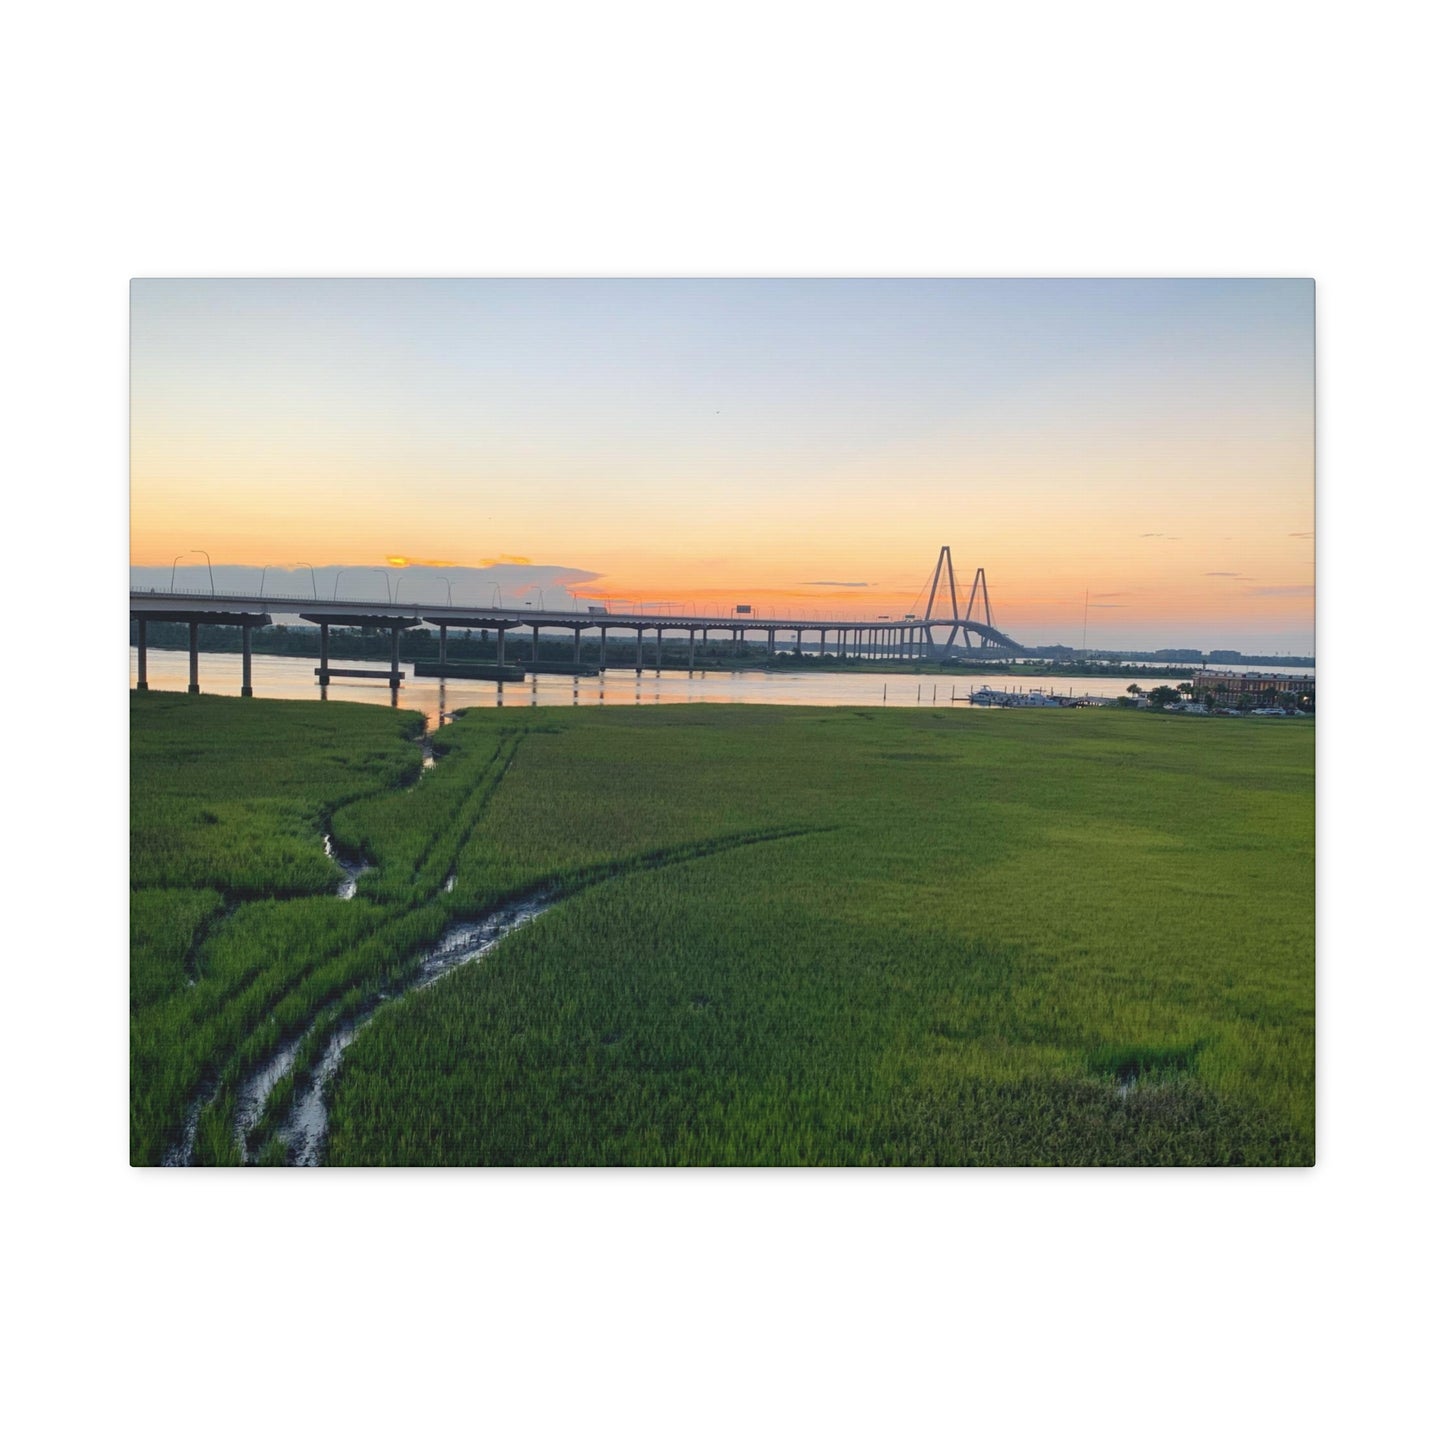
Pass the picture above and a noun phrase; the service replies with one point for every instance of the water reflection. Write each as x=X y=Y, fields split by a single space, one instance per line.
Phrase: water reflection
x=294 y=677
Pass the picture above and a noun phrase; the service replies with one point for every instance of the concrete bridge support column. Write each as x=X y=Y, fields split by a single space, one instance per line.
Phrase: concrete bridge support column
x=395 y=658
x=141 y=685
x=246 y=660
x=659 y=649
x=501 y=648
x=323 y=677
x=536 y=632
x=772 y=641
x=195 y=682
x=602 y=653
x=442 y=655
x=639 y=652
x=576 y=647
x=691 y=647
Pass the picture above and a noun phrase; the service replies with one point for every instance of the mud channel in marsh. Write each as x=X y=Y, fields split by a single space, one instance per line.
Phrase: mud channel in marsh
x=303 y=1133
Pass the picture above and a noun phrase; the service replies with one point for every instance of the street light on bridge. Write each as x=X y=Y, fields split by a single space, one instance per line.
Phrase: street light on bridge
x=344 y=570
x=209 y=573
x=439 y=578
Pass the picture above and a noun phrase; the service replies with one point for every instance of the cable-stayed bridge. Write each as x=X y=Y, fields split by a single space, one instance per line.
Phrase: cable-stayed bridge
x=932 y=635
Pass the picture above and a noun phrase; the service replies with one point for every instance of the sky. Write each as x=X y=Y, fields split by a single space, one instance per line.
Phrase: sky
x=1134 y=458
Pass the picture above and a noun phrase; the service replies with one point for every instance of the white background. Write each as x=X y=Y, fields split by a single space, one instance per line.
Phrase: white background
x=1047 y=139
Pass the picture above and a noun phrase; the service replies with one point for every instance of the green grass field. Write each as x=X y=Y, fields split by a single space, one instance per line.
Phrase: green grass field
x=783 y=936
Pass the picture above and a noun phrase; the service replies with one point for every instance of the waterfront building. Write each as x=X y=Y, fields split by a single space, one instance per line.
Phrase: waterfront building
x=1263 y=687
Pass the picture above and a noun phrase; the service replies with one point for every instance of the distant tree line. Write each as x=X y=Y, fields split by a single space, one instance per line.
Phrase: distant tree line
x=1268 y=696
x=1218 y=656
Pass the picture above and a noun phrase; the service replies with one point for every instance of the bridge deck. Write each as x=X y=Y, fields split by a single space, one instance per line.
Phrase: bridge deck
x=350 y=612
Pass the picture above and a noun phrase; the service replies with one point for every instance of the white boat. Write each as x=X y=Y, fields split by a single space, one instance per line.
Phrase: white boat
x=993 y=697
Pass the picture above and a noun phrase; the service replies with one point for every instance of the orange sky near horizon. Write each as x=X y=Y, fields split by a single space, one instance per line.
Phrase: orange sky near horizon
x=1149 y=443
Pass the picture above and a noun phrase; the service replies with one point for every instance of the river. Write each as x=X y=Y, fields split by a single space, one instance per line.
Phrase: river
x=295 y=677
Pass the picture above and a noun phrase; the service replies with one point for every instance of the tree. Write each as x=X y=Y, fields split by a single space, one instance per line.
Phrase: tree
x=1133 y=689
x=1158 y=696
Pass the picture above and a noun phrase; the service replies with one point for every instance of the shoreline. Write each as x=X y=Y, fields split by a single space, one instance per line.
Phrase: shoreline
x=779 y=663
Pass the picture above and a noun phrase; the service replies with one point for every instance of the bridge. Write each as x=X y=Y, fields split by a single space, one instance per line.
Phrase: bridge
x=904 y=638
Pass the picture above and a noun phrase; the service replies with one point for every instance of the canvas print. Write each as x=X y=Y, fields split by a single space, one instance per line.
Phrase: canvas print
x=722 y=722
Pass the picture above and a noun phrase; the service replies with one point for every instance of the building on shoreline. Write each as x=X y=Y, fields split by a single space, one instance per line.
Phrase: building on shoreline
x=1262 y=687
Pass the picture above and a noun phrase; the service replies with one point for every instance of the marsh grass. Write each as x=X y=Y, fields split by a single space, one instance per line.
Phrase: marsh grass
x=785 y=936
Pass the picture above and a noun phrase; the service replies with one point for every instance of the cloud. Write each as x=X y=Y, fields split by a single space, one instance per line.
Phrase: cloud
x=1163 y=536
x=1302 y=590
x=1151 y=534
x=503 y=560
x=1094 y=605
x=1221 y=574
x=1100 y=595
x=835 y=584
x=1310 y=536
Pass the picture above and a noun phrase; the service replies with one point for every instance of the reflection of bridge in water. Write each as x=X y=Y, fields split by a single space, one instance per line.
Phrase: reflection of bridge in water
x=904 y=638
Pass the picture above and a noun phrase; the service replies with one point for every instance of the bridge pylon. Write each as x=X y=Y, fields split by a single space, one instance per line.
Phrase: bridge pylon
x=966 y=623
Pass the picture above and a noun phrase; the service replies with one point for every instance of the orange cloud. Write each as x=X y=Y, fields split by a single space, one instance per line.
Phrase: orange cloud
x=418 y=562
